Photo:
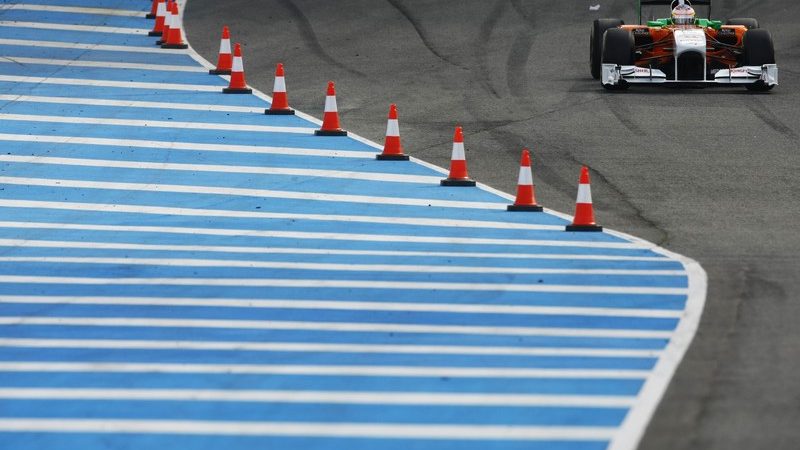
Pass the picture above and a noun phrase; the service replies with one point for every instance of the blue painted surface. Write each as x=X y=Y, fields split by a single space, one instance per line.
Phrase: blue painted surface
x=39 y=296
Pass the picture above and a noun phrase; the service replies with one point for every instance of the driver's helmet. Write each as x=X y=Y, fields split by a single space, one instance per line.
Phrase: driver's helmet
x=683 y=15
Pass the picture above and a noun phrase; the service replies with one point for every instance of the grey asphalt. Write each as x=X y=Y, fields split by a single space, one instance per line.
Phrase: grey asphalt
x=708 y=173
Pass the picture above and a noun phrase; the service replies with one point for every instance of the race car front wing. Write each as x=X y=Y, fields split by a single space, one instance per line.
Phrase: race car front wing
x=614 y=75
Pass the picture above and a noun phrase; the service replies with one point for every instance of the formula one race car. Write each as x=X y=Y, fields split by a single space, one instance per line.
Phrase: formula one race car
x=682 y=49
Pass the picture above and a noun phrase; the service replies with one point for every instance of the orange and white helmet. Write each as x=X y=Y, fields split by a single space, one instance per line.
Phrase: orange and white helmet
x=683 y=14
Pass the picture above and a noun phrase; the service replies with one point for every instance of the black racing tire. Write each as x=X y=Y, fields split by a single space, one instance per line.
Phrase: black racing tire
x=599 y=27
x=758 y=50
x=749 y=23
x=618 y=49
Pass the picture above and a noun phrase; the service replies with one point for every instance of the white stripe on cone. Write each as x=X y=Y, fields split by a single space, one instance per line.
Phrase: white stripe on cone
x=238 y=66
x=584 y=193
x=280 y=85
x=330 y=104
x=225 y=47
x=525 y=176
x=392 y=128
x=458 y=152
x=161 y=11
x=167 y=19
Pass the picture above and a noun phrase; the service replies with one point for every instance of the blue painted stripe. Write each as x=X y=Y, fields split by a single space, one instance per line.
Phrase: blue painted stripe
x=327 y=359
x=287 y=412
x=93 y=73
x=59 y=441
x=335 y=337
x=442 y=261
x=21 y=15
x=548 y=386
x=119 y=93
x=326 y=316
x=675 y=302
x=77 y=54
x=163 y=116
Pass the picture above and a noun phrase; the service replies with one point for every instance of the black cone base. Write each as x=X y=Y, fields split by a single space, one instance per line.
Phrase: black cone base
x=150 y=16
x=279 y=112
x=161 y=41
x=391 y=157
x=155 y=33
x=237 y=91
x=220 y=71
x=330 y=133
x=457 y=182
x=584 y=228
x=532 y=208
x=175 y=46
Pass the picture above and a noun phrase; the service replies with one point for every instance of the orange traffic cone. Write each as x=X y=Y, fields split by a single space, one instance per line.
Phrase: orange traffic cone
x=167 y=22
x=526 y=195
x=225 y=59
x=175 y=36
x=238 y=85
x=161 y=12
x=330 y=118
x=280 y=102
x=392 y=150
x=584 y=212
x=458 y=164
x=153 y=10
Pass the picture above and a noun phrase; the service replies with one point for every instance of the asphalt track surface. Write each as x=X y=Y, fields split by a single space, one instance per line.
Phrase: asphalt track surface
x=708 y=173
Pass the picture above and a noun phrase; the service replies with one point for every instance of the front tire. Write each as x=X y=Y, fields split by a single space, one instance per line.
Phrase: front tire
x=758 y=50
x=599 y=27
x=618 y=46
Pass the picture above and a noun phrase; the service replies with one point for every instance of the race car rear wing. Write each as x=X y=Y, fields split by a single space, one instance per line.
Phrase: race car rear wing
x=670 y=2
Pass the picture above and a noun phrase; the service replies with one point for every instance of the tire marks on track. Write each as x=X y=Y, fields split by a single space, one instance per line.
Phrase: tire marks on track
x=422 y=32
x=760 y=110
x=310 y=37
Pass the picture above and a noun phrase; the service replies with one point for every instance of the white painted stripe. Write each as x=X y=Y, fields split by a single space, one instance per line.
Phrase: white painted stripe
x=129 y=103
x=279 y=85
x=328 y=397
x=238 y=65
x=342 y=430
x=172 y=124
x=584 y=194
x=97 y=47
x=330 y=104
x=73 y=9
x=68 y=27
x=525 y=176
x=126 y=344
x=225 y=46
x=187 y=146
x=274 y=234
x=392 y=128
x=383 y=268
x=458 y=152
x=248 y=192
x=359 y=327
x=337 y=370
x=348 y=306
x=108 y=83
x=303 y=251
x=101 y=64
x=316 y=173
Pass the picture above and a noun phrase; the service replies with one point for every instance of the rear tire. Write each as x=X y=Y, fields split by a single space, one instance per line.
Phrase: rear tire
x=599 y=27
x=618 y=46
x=758 y=50
x=750 y=23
